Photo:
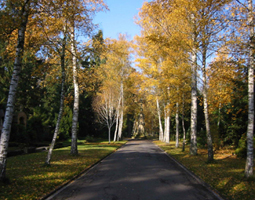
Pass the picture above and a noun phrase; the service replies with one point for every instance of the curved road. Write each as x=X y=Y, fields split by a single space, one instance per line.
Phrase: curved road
x=137 y=171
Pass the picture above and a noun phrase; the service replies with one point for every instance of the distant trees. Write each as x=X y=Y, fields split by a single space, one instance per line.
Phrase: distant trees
x=113 y=73
x=105 y=107
x=211 y=37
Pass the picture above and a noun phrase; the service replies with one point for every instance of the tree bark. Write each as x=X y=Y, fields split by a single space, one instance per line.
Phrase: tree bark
x=167 y=125
x=5 y=135
x=177 y=126
x=121 y=111
x=116 y=126
x=61 y=108
x=109 y=134
x=120 y=125
x=206 y=113
x=74 y=150
x=250 y=128
x=183 y=127
x=161 y=135
x=193 y=126
x=117 y=120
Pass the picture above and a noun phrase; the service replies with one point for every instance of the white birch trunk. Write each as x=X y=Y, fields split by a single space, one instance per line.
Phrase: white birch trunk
x=5 y=135
x=167 y=125
x=117 y=120
x=161 y=135
x=109 y=134
x=74 y=150
x=177 y=126
x=109 y=117
x=121 y=111
x=109 y=121
x=183 y=126
x=193 y=126
x=250 y=128
x=116 y=126
x=206 y=113
x=61 y=108
x=120 y=125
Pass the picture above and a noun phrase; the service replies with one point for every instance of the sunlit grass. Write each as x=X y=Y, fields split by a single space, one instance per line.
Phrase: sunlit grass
x=225 y=173
x=30 y=179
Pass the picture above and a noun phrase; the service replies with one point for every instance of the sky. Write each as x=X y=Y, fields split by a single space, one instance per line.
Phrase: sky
x=120 y=18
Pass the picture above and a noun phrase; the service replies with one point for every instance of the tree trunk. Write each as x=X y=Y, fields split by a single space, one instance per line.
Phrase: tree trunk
x=250 y=128
x=116 y=126
x=121 y=111
x=193 y=126
x=61 y=108
x=159 y=121
x=167 y=125
x=206 y=113
x=183 y=127
x=74 y=150
x=219 y=117
x=177 y=126
x=109 y=134
x=120 y=125
x=5 y=135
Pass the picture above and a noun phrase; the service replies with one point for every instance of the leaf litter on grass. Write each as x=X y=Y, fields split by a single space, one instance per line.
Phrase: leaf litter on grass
x=30 y=179
x=225 y=173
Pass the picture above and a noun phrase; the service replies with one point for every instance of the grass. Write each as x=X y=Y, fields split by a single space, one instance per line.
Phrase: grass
x=225 y=173
x=30 y=179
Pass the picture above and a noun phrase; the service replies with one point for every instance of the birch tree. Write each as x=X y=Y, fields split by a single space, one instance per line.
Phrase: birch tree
x=24 y=11
x=74 y=150
x=161 y=31
x=104 y=105
x=241 y=42
x=54 y=29
x=116 y=70
x=80 y=18
x=177 y=126
x=211 y=23
x=61 y=105
x=250 y=127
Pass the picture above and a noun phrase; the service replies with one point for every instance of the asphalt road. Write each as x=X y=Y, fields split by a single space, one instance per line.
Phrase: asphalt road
x=137 y=171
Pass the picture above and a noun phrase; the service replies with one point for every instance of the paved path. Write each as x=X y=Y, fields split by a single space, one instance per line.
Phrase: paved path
x=137 y=171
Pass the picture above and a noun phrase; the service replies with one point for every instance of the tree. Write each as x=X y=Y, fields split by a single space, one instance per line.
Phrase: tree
x=53 y=27
x=115 y=70
x=105 y=106
x=74 y=150
x=250 y=127
x=166 y=48
x=211 y=23
x=241 y=42
x=62 y=96
x=80 y=17
x=5 y=135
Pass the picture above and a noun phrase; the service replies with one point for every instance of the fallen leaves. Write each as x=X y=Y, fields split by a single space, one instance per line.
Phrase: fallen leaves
x=225 y=174
x=31 y=180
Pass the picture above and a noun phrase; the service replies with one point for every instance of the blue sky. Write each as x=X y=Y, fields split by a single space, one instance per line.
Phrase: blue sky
x=120 y=18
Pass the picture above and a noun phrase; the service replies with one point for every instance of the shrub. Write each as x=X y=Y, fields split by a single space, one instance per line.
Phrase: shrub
x=241 y=151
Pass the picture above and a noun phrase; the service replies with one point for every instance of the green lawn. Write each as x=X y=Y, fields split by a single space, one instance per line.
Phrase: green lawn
x=225 y=174
x=30 y=179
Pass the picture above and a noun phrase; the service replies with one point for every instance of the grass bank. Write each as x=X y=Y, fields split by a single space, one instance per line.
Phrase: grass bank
x=225 y=174
x=30 y=179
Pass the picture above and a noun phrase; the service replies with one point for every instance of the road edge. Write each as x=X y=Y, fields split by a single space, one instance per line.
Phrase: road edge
x=212 y=190
x=60 y=188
